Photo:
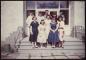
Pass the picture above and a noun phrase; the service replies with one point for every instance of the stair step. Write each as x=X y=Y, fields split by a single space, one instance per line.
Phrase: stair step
x=65 y=43
x=66 y=38
x=73 y=43
x=24 y=51
x=48 y=47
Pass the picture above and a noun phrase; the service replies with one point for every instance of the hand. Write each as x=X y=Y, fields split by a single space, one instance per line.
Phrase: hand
x=31 y=33
x=54 y=31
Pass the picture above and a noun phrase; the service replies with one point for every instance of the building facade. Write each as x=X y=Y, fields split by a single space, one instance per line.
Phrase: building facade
x=14 y=13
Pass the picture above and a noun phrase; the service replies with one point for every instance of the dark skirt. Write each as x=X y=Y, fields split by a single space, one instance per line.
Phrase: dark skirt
x=33 y=37
x=53 y=37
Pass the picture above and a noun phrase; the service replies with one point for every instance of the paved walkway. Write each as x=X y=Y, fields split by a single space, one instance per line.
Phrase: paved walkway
x=73 y=49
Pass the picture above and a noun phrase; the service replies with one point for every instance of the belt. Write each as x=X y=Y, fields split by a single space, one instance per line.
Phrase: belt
x=60 y=28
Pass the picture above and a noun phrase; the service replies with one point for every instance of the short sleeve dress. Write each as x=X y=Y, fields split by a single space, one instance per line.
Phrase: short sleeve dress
x=33 y=37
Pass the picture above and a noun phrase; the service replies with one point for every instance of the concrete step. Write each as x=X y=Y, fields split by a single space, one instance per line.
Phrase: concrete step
x=66 y=38
x=54 y=53
x=69 y=38
x=65 y=43
x=49 y=47
x=24 y=51
x=50 y=53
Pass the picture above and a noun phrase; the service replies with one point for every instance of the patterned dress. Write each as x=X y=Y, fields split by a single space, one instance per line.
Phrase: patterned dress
x=53 y=36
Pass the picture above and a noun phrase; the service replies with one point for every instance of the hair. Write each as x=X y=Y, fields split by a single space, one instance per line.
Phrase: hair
x=60 y=17
x=34 y=17
x=46 y=10
x=48 y=16
x=41 y=22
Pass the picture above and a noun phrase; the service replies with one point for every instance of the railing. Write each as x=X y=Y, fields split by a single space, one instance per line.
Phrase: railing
x=12 y=42
x=78 y=32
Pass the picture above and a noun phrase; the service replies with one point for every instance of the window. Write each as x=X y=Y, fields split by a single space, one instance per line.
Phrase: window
x=32 y=11
x=42 y=12
x=30 y=5
x=53 y=13
x=47 y=4
x=66 y=15
x=64 y=4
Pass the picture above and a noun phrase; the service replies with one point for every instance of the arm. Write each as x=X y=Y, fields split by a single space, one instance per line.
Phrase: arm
x=56 y=28
x=51 y=29
x=39 y=29
x=27 y=20
x=63 y=17
x=30 y=28
x=62 y=24
x=63 y=27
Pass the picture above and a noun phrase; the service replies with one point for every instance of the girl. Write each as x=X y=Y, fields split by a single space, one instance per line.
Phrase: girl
x=28 y=22
x=40 y=17
x=61 y=31
x=42 y=35
x=53 y=34
x=34 y=31
x=47 y=23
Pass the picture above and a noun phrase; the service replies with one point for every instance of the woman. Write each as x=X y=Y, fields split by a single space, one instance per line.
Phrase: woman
x=40 y=17
x=28 y=22
x=61 y=31
x=53 y=37
x=46 y=13
x=42 y=34
x=34 y=31
x=47 y=23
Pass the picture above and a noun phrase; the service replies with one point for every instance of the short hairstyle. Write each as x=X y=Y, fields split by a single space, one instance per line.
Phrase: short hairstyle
x=41 y=21
x=60 y=17
x=46 y=10
x=34 y=17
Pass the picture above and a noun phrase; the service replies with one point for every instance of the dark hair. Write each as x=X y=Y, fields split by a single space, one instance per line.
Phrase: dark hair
x=41 y=22
x=34 y=17
x=60 y=17
x=46 y=10
x=48 y=16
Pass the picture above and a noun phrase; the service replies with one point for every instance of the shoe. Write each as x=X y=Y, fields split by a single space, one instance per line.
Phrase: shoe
x=33 y=47
x=62 y=46
x=52 y=46
x=41 y=47
x=36 y=46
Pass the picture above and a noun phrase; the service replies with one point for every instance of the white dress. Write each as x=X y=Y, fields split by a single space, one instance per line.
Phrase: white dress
x=61 y=24
x=28 y=22
x=47 y=23
x=41 y=35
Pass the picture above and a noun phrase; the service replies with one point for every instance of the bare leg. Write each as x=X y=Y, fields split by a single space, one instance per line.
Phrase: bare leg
x=33 y=44
x=61 y=44
x=53 y=44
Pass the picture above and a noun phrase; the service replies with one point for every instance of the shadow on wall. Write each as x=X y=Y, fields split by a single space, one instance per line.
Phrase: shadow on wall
x=12 y=42
x=78 y=32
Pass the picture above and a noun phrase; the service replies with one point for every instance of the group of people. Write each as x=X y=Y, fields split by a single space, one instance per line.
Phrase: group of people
x=45 y=29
